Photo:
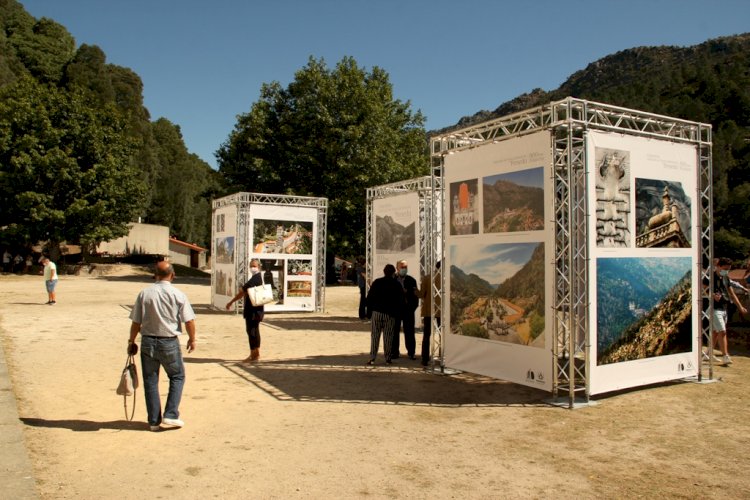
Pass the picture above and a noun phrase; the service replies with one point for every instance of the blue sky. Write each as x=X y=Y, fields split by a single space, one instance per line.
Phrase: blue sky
x=494 y=263
x=202 y=63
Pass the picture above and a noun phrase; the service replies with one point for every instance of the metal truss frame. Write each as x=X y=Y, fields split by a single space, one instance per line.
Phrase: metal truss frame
x=428 y=189
x=243 y=201
x=569 y=120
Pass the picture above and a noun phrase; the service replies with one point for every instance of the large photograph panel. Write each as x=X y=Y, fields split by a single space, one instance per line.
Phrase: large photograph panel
x=498 y=265
x=395 y=236
x=223 y=277
x=642 y=272
x=284 y=238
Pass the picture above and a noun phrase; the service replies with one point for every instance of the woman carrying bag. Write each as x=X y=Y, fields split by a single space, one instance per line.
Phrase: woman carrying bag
x=253 y=314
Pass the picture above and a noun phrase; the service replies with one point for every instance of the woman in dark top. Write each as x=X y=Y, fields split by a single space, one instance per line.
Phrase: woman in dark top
x=384 y=302
x=253 y=314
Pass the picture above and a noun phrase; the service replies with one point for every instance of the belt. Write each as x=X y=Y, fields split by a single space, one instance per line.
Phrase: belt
x=159 y=336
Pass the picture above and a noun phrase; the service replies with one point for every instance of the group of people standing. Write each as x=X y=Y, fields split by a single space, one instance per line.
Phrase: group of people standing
x=391 y=305
x=17 y=264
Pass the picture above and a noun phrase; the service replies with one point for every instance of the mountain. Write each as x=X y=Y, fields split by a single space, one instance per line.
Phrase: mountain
x=392 y=236
x=512 y=207
x=708 y=83
x=465 y=289
x=526 y=287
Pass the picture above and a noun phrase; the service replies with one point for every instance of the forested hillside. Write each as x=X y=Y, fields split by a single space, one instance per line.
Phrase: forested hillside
x=79 y=154
x=708 y=83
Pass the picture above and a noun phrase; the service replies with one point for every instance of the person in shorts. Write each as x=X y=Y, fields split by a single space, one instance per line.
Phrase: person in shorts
x=723 y=296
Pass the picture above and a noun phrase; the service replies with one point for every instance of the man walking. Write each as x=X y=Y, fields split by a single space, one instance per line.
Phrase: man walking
x=157 y=315
x=723 y=296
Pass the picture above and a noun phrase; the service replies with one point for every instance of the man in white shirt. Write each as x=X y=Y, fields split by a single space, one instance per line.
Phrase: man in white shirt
x=50 y=280
x=157 y=315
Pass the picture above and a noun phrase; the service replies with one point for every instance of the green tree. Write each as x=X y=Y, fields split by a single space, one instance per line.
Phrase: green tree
x=331 y=133
x=65 y=171
x=183 y=185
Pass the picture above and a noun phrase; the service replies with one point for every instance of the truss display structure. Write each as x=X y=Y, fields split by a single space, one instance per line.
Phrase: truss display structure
x=569 y=120
x=429 y=191
x=244 y=201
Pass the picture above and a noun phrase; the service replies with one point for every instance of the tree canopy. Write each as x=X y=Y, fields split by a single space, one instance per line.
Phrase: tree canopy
x=330 y=133
x=79 y=156
x=66 y=172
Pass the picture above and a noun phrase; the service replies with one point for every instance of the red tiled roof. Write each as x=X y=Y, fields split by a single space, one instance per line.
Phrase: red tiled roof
x=188 y=245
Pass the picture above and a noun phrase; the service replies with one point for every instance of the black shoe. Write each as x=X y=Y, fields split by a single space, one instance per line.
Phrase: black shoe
x=388 y=362
x=370 y=363
x=411 y=356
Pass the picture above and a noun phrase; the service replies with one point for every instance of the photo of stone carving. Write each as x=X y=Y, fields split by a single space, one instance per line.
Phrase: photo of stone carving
x=394 y=237
x=464 y=207
x=644 y=308
x=514 y=201
x=497 y=292
x=662 y=214
x=612 y=197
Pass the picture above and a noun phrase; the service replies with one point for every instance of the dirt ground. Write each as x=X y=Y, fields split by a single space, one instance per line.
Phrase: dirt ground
x=311 y=421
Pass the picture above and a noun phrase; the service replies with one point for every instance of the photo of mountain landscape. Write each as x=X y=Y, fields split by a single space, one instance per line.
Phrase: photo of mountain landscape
x=393 y=237
x=497 y=292
x=514 y=201
x=644 y=307
x=282 y=236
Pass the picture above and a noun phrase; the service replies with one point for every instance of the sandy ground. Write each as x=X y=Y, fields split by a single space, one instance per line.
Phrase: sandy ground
x=311 y=421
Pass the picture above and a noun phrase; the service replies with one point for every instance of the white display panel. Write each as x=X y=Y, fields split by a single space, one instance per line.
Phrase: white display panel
x=284 y=238
x=498 y=227
x=396 y=223
x=224 y=252
x=643 y=279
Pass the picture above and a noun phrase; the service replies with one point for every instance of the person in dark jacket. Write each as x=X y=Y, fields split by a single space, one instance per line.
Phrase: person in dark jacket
x=409 y=303
x=384 y=303
x=253 y=314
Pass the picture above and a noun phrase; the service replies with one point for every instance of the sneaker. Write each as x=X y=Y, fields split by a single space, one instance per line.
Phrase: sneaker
x=705 y=357
x=174 y=422
x=726 y=360
x=154 y=428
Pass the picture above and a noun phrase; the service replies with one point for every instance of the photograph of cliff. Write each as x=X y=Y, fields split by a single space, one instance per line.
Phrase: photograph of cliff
x=514 y=201
x=662 y=214
x=497 y=293
x=644 y=308
x=392 y=237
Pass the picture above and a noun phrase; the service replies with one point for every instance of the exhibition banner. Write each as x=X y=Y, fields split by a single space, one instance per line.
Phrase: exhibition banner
x=223 y=279
x=643 y=275
x=498 y=224
x=395 y=237
x=284 y=239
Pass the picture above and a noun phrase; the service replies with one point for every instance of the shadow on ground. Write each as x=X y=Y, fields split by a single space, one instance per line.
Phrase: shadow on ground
x=77 y=425
x=346 y=379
